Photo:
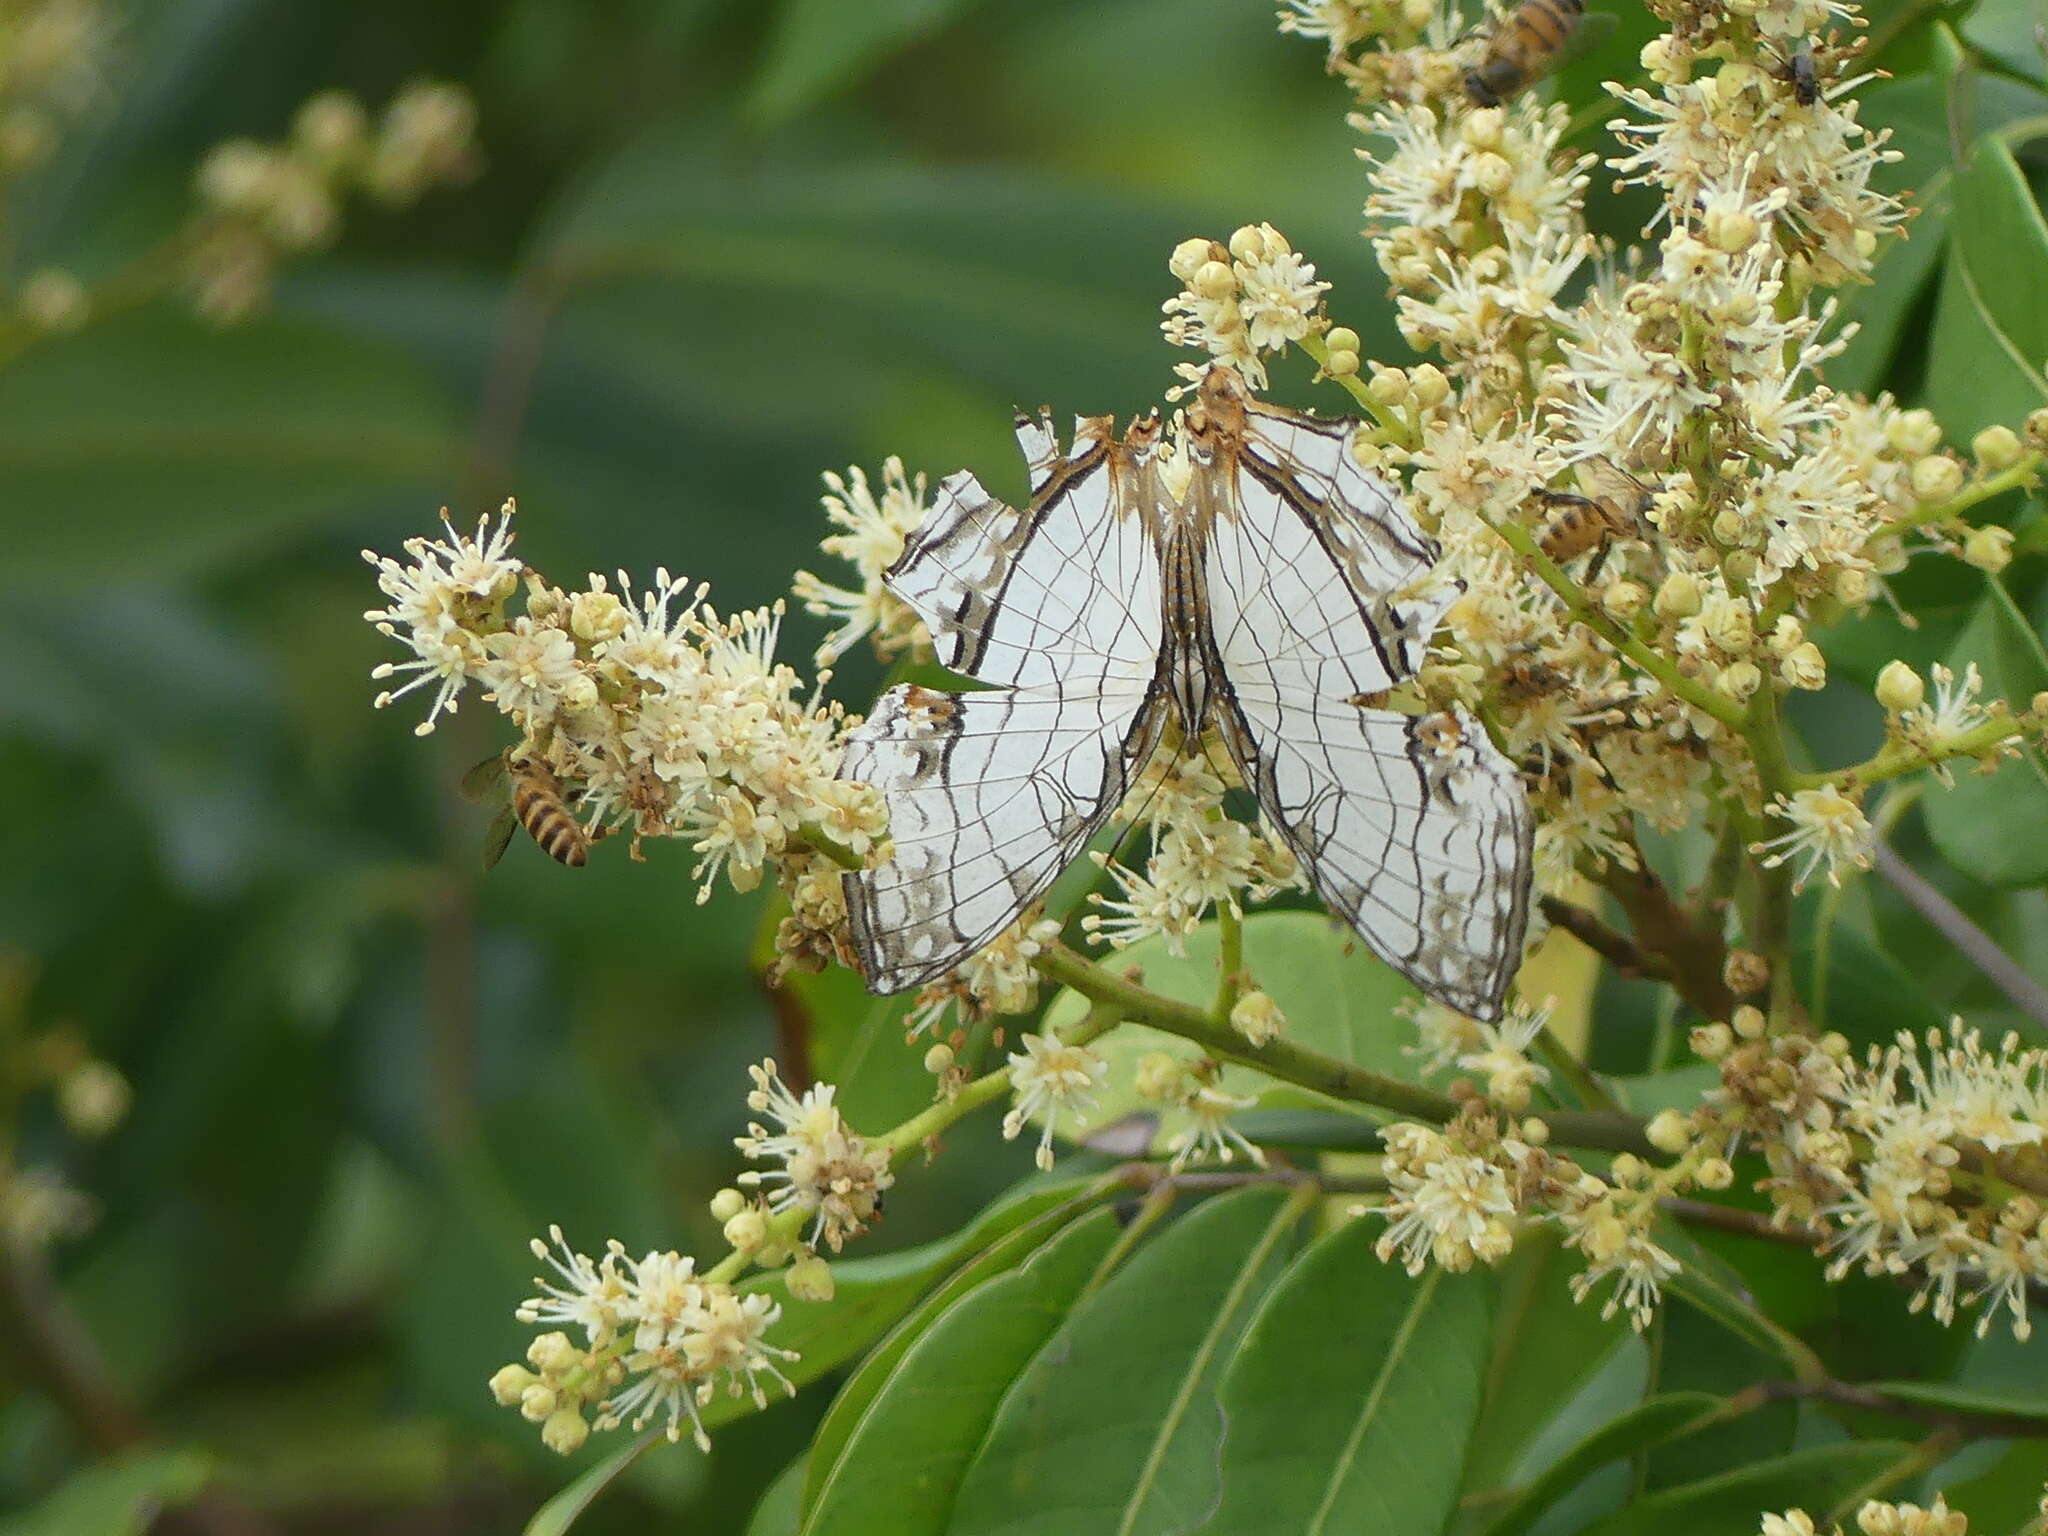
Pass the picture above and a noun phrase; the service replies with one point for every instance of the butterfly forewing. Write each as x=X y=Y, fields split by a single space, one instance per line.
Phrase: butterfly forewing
x=1416 y=832
x=992 y=794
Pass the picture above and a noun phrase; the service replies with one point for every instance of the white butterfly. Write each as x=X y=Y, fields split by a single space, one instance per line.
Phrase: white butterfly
x=1280 y=590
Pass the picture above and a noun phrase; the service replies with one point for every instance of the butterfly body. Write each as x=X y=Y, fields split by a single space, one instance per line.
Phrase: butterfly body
x=1277 y=584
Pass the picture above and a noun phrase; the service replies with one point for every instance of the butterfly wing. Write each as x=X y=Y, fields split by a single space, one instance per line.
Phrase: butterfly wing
x=992 y=794
x=1416 y=831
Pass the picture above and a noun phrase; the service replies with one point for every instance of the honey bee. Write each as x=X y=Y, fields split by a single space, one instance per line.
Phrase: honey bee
x=1575 y=524
x=1529 y=40
x=541 y=807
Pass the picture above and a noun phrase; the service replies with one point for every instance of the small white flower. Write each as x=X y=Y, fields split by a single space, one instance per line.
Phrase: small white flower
x=1050 y=1078
x=827 y=1168
x=1829 y=830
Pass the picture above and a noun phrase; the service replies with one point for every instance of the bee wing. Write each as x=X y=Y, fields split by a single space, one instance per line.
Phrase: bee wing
x=498 y=837
x=1608 y=483
x=482 y=782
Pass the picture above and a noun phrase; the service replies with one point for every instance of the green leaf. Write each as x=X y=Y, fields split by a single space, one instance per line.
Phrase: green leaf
x=120 y=1497
x=897 y=1473
x=821 y=45
x=870 y=1294
x=1114 y=1426
x=2010 y=31
x=1350 y=1403
x=1814 y=1480
x=1716 y=1293
x=1990 y=338
x=1647 y=1424
x=1336 y=996
x=151 y=444
x=781 y=1510
x=861 y=1389
x=1990 y=825
x=1963 y=1399
x=1556 y=1369
x=567 y=1507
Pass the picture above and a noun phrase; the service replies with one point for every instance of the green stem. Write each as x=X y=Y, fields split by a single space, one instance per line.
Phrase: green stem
x=1700 y=697
x=1901 y=757
x=810 y=836
x=1574 y=1071
x=1229 y=960
x=1390 y=423
x=2021 y=474
x=1312 y=1069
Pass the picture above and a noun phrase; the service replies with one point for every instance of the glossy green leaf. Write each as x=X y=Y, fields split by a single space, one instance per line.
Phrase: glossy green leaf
x=900 y=1469
x=1650 y=1423
x=562 y=1512
x=153 y=445
x=1813 y=1480
x=870 y=1294
x=2010 y=31
x=1717 y=1292
x=821 y=45
x=118 y=1497
x=1351 y=1401
x=1114 y=1426
x=1336 y=996
x=781 y=1510
x=1556 y=1369
x=1977 y=824
x=999 y=1257
x=1990 y=337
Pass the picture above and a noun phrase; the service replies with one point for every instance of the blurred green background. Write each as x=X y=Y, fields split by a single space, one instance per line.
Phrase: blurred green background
x=713 y=249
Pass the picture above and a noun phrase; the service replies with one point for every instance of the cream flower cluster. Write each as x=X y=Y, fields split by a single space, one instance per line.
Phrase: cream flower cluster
x=1241 y=301
x=635 y=1341
x=654 y=714
x=1927 y=1160
x=872 y=531
x=1877 y=1517
x=1459 y=1194
x=259 y=203
x=824 y=1169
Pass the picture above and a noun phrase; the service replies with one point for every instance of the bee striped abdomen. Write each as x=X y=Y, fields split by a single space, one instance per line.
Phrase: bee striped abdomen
x=1527 y=42
x=538 y=802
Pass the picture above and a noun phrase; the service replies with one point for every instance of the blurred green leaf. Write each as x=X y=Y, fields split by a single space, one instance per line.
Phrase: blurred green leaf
x=898 y=1473
x=1975 y=823
x=870 y=1294
x=1114 y=1426
x=1814 y=1480
x=1868 y=996
x=562 y=1511
x=2010 y=31
x=119 y=1497
x=150 y=445
x=1649 y=1423
x=820 y=45
x=1350 y=1403
x=866 y=1383
x=781 y=1510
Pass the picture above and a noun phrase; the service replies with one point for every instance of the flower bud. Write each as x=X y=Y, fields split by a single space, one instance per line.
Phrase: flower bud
x=1913 y=434
x=1389 y=386
x=2037 y=429
x=939 y=1059
x=1989 y=548
x=1257 y=1017
x=1732 y=230
x=1739 y=679
x=1679 y=597
x=1854 y=586
x=1189 y=256
x=1669 y=1132
x=1429 y=386
x=1749 y=1021
x=1899 y=688
x=1711 y=1042
x=1996 y=448
x=1805 y=668
x=536 y=1402
x=1341 y=365
x=746 y=1231
x=509 y=1383
x=1248 y=245
x=1482 y=129
x=1936 y=477
x=1341 y=338
x=810 y=1279
x=1787 y=635
x=726 y=1204
x=1491 y=173
x=552 y=1352
x=1213 y=280
x=93 y=1098
x=1536 y=1132
x=1622 y=600
x=597 y=616
x=564 y=1432
x=1745 y=972
x=1714 y=1173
